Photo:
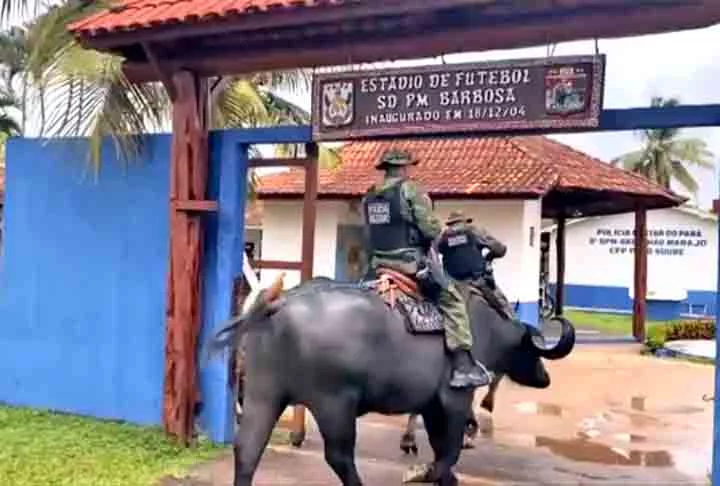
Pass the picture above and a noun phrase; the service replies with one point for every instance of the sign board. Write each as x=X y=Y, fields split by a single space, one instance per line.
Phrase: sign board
x=557 y=93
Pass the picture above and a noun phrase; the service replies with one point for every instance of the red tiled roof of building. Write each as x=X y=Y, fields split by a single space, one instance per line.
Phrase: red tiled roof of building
x=472 y=168
x=127 y=15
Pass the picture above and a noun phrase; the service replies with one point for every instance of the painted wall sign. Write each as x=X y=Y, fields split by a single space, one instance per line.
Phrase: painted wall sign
x=547 y=94
x=662 y=241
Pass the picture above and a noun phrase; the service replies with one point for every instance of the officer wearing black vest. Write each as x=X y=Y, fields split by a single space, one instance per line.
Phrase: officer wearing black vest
x=400 y=229
x=467 y=252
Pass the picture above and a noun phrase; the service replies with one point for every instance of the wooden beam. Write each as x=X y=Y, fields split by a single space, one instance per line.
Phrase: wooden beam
x=189 y=167
x=162 y=74
x=195 y=206
x=640 y=275
x=503 y=32
x=560 y=264
x=277 y=162
x=308 y=250
x=277 y=265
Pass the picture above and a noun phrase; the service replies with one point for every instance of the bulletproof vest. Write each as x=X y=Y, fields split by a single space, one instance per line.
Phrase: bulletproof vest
x=462 y=257
x=388 y=228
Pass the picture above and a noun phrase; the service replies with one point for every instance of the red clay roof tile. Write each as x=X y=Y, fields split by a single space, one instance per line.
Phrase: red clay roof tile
x=472 y=167
x=138 y=14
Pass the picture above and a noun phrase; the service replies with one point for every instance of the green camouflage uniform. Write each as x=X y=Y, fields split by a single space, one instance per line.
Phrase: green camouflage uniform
x=418 y=207
x=486 y=284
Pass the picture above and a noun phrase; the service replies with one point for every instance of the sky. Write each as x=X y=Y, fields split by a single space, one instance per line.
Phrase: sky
x=684 y=64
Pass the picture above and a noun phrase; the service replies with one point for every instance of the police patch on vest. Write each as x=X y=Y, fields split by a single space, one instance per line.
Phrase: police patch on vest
x=457 y=240
x=379 y=213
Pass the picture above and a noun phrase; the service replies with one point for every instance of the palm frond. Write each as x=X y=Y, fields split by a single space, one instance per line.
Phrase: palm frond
x=692 y=151
x=683 y=176
x=633 y=161
x=239 y=104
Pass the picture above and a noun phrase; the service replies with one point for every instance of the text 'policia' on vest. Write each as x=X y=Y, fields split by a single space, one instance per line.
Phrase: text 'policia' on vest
x=462 y=256
x=389 y=228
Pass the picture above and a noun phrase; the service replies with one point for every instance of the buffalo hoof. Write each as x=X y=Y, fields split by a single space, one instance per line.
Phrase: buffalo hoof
x=408 y=444
x=419 y=473
x=449 y=480
x=468 y=443
x=297 y=439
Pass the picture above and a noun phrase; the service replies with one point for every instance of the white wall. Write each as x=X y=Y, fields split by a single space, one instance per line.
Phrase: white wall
x=511 y=221
x=596 y=259
x=282 y=237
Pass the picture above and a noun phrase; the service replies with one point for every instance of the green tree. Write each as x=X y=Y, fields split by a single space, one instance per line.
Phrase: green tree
x=87 y=94
x=664 y=155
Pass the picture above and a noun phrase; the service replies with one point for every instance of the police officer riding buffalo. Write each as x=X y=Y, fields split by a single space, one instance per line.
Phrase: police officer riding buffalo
x=345 y=350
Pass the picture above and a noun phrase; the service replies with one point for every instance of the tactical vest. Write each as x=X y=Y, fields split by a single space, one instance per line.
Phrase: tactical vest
x=462 y=257
x=388 y=229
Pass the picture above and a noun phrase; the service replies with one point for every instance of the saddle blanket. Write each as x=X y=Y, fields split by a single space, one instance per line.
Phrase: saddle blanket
x=420 y=316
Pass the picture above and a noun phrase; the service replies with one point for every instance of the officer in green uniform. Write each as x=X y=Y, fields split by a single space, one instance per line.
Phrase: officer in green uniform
x=400 y=230
x=467 y=252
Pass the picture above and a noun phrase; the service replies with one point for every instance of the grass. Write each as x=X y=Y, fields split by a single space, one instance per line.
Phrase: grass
x=610 y=324
x=46 y=449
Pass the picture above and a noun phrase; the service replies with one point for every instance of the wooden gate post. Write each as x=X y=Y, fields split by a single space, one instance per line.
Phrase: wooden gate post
x=560 y=265
x=640 y=275
x=188 y=181
x=297 y=435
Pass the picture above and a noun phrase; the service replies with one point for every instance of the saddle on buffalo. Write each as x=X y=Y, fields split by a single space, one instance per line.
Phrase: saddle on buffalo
x=403 y=294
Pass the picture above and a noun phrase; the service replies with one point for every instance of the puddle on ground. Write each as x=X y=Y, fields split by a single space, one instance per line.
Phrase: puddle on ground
x=682 y=410
x=539 y=408
x=582 y=450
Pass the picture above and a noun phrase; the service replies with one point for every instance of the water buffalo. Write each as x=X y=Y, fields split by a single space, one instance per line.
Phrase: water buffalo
x=340 y=351
x=408 y=441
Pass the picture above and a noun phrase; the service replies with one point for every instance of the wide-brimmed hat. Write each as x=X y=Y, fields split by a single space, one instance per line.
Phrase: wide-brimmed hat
x=457 y=217
x=395 y=158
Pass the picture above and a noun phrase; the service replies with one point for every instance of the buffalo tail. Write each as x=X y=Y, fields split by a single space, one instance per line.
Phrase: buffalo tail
x=258 y=305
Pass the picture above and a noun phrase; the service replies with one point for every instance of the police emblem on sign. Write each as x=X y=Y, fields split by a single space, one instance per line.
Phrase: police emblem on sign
x=566 y=90
x=338 y=104
x=379 y=213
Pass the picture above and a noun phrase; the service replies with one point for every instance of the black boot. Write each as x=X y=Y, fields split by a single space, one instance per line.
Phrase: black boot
x=466 y=372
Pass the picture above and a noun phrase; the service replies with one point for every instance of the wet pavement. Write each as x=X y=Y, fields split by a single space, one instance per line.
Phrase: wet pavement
x=610 y=416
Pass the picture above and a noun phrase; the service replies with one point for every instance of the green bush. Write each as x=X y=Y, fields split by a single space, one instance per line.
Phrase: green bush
x=691 y=329
x=675 y=331
x=656 y=337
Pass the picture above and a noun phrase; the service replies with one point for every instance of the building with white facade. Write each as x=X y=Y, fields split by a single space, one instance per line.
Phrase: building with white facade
x=508 y=185
x=682 y=263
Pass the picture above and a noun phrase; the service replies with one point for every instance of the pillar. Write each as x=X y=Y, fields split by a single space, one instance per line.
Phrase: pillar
x=716 y=403
x=560 y=265
x=308 y=251
x=188 y=180
x=640 y=275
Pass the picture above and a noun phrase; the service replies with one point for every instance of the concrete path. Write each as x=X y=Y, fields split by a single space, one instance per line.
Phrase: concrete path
x=611 y=416
x=699 y=348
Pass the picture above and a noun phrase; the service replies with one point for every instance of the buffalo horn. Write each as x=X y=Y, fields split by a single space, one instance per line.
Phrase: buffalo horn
x=564 y=345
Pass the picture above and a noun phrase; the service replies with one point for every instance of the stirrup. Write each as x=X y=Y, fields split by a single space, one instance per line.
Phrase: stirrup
x=489 y=373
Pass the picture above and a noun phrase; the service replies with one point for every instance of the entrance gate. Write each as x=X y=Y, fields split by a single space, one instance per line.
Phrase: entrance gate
x=182 y=47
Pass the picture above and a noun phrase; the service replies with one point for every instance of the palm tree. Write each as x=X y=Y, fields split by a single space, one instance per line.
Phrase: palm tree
x=664 y=155
x=88 y=95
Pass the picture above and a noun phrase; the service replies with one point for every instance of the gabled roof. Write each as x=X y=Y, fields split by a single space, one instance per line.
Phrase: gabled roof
x=142 y=14
x=215 y=37
x=481 y=168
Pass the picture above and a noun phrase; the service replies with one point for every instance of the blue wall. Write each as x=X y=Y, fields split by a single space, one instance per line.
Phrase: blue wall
x=84 y=274
x=82 y=288
x=618 y=299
